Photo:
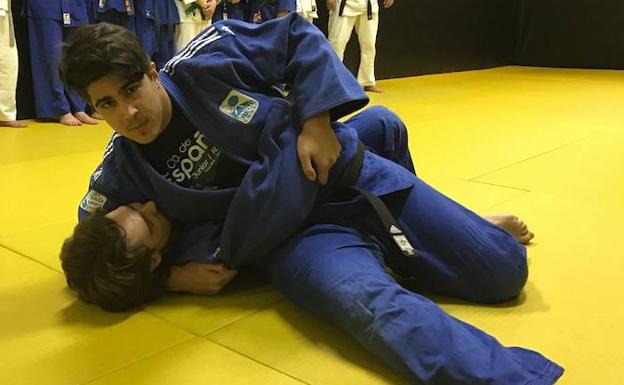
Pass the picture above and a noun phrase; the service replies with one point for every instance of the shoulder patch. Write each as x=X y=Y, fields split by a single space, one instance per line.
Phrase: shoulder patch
x=239 y=106
x=93 y=201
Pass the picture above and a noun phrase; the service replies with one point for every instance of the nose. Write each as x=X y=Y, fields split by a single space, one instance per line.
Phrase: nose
x=130 y=111
x=150 y=206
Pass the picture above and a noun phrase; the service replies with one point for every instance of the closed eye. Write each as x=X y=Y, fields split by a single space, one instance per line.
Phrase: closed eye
x=148 y=222
x=150 y=225
x=130 y=90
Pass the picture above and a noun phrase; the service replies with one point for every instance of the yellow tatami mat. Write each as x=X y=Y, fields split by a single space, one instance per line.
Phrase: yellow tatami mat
x=543 y=143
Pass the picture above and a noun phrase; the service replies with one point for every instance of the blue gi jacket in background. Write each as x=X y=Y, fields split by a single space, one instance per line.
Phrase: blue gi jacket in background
x=226 y=10
x=236 y=60
x=56 y=9
x=269 y=11
x=123 y=6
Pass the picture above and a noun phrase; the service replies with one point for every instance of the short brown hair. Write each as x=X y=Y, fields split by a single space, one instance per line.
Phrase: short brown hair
x=101 y=267
x=96 y=50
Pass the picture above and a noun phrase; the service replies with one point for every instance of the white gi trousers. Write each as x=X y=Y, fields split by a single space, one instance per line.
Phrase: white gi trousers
x=190 y=25
x=307 y=9
x=8 y=64
x=339 y=32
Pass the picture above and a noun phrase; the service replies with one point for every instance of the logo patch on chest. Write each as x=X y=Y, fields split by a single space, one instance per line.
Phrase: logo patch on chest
x=239 y=106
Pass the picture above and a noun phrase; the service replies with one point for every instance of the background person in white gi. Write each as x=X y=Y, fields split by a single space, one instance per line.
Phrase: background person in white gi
x=363 y=15
x=195 y=15
x=307 y=9
x=8 y=68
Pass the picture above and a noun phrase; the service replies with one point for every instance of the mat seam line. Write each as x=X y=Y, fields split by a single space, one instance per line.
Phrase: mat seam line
x=29 y=258
x=533 y=156
x=258 y=362
x=519 y=189
x=155 y=315
x=142 y=358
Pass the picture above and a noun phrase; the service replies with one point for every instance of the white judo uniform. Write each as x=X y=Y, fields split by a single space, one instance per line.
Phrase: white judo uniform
x=191 y=24
x=8 y=64
x=363 y=16
x=307 y=9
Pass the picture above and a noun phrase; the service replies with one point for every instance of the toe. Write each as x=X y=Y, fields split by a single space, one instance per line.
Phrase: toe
x=525 y=239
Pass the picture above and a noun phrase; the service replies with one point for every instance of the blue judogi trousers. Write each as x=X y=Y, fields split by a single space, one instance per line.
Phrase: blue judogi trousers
x=51 y=98
x=338 y=272
x=118 y=18
x=158 y=40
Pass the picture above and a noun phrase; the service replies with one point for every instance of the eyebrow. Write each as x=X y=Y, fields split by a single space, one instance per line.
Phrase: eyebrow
x=121 y=89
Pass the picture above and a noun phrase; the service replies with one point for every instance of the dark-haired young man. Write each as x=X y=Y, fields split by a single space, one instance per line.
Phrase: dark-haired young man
x=216 y=148
x=144 y=259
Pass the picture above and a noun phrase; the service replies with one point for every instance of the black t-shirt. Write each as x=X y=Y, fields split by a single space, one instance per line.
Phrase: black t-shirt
x=182 y=154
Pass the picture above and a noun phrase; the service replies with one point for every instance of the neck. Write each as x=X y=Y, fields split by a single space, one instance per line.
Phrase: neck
x=167 y=109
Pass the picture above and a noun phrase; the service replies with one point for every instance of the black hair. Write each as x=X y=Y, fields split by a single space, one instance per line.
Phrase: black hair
x=101 y=267
x=94 y=51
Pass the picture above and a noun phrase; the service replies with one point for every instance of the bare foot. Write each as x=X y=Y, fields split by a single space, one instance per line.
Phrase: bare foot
x=84 y=118
x=512 y=224
x=14 y=123
x=69 y=120
x=372 y=88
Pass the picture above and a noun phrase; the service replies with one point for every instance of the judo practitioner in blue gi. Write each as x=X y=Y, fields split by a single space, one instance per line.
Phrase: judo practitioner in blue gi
x=263 y=10
x=49 y=22
x=235 y=165
x=119 y=12
x=231 y=9
x=155 y=22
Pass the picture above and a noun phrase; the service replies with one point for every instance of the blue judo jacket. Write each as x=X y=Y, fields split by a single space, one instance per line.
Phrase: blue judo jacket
x=223 y=82
x=71 y=13
x=262 y=11
x=123 y=6
x=226 y=10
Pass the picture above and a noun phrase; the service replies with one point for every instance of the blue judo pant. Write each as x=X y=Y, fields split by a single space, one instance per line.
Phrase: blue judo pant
x=337 y=271
x=51 y=98
x=121 y=19
x=158 y=40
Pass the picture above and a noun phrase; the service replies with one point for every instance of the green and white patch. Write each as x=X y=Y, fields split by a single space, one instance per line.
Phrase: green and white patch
x=239 y=106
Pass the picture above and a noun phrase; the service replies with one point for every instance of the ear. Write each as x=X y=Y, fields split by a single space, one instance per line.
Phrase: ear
x=152 y=73
x=155 y=260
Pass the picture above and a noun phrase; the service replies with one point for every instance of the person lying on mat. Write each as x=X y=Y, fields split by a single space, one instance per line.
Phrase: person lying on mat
x=280 y=183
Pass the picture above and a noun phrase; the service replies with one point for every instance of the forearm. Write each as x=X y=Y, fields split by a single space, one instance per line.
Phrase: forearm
x=199 y=278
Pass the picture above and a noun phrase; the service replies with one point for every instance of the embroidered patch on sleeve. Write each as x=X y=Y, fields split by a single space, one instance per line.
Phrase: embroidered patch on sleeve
x=239 y=106
x=93 y=201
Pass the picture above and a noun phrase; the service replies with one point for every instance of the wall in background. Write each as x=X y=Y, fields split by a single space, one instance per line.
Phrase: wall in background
x=431 y=36
x=571 y=33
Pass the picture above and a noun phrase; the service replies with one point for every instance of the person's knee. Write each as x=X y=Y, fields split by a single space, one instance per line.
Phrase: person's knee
x=387 y=114
x=505 y=278
x=368 y=50
x=396 y=142
x=391 y=121
x=337 y=43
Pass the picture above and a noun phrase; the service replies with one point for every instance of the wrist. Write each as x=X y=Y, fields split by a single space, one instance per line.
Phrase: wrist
x=319 y=121
x=175 y=282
